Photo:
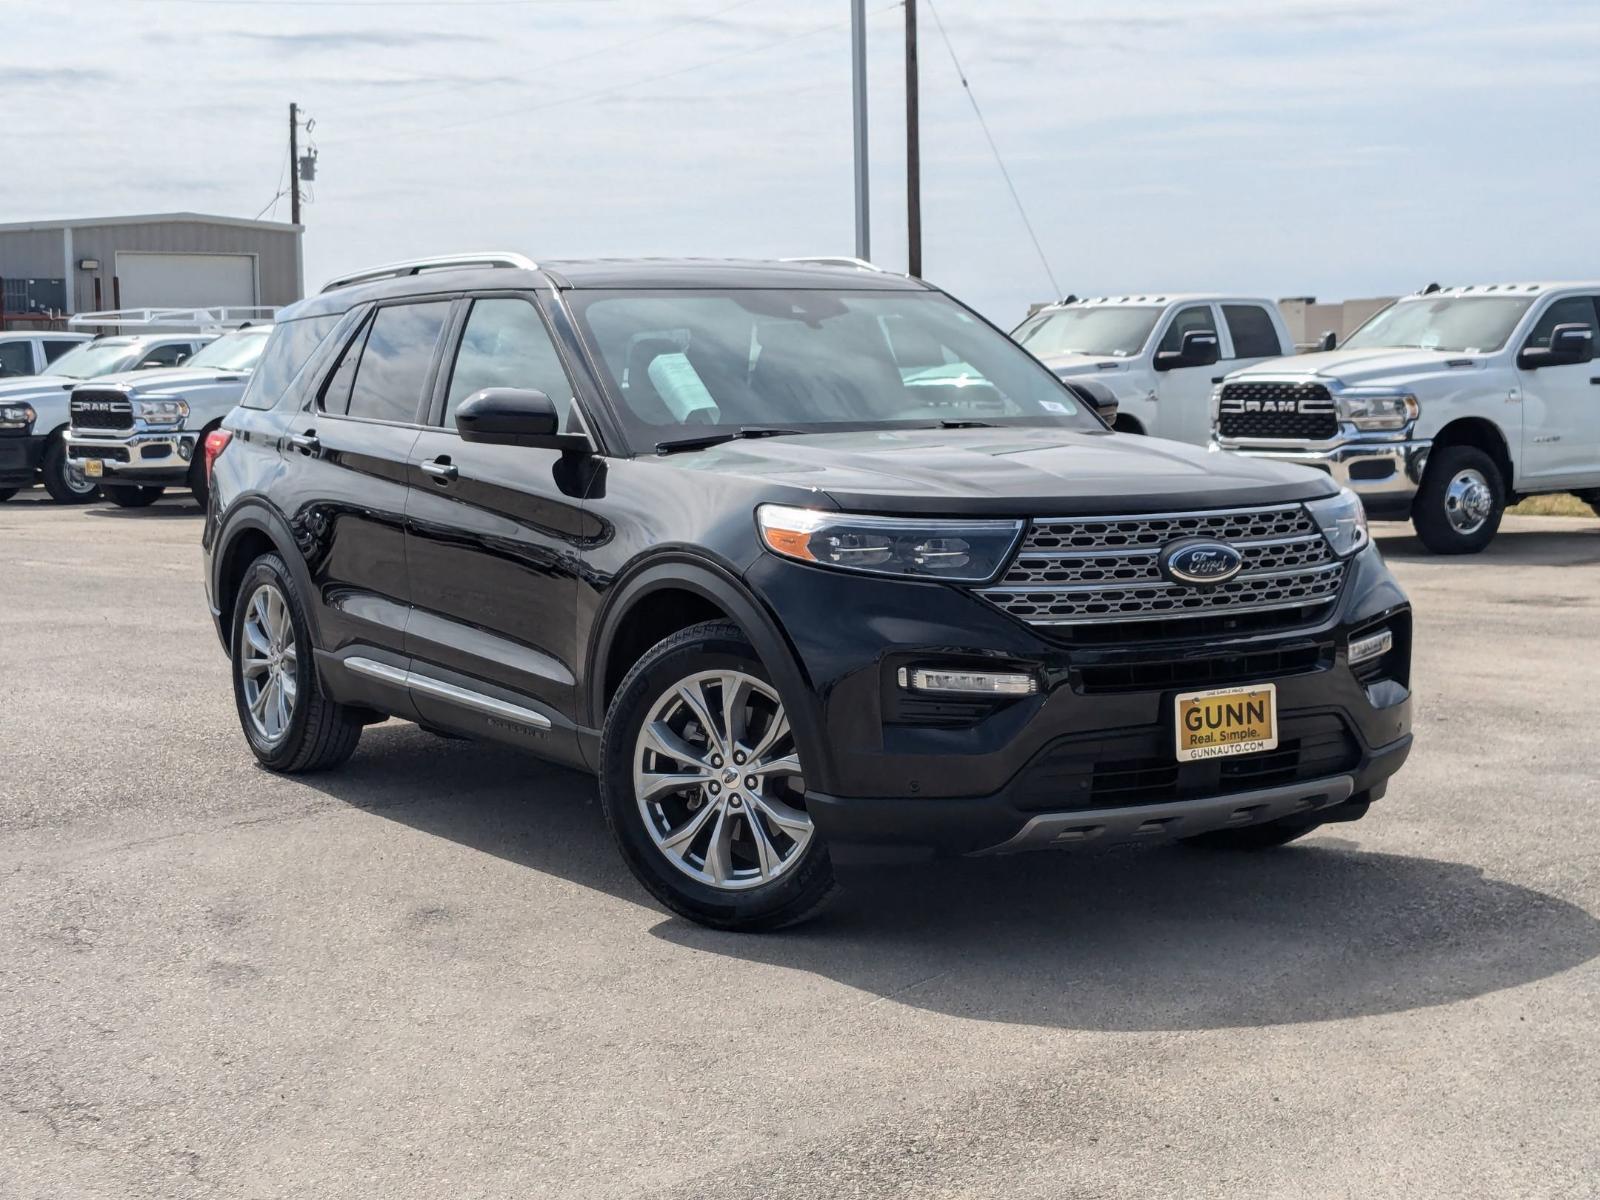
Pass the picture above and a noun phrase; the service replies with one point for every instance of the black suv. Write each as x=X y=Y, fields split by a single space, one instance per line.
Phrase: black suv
x=810 y=564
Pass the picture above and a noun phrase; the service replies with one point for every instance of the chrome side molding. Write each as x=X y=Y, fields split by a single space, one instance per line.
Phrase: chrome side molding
x=465 y=697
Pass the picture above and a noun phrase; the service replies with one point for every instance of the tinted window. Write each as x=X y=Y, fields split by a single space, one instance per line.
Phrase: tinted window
x=287 y=350
x=1252 y=330
x=396 y=359
x=505 y=344
x=1196 y=316
x=54 y=349
x=169 y=355
x=336 y=391
x=16 y=358
x=1574 y=310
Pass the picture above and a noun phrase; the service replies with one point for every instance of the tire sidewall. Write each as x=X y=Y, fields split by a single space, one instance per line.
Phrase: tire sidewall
x=1429 y=517
x=56 y=474
x=787 y=898
x=279 y=753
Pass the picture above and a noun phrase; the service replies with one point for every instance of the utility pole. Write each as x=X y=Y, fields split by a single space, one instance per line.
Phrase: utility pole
x=913 y=150
x=294 y=164
x=858 y=64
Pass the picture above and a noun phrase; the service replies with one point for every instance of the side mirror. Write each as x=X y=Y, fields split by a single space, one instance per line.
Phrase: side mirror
x=1200 y=349
x=510 y=417
x=1097 y=396
x=1569 y=344
x=1328 y=341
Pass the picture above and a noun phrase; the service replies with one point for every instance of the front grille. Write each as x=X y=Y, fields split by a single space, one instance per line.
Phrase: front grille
x=101 y=410
x=114 y=453
x=1140 y=767
x=1098 y=570
x=1302 y=412
x=1213 y=670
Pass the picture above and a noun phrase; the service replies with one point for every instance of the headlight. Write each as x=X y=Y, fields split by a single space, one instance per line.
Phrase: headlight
x=16 y=416
x=1392 y=411
x=161 y=412
x=1342 y=520
x=960 y=551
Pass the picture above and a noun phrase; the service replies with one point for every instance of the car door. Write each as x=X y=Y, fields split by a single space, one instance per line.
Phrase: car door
x=1183 y=394
x=1561 y=404
x=348 y=453
x=494 y=534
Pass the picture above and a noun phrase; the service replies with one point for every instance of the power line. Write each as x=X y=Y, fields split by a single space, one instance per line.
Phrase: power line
x=373 y=3
x=1055 y=288
x=276 y=196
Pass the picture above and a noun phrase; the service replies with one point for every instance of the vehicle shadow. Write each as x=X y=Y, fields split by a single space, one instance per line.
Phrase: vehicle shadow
x=160 y=510
x=1576 y=543
x=1147 y=938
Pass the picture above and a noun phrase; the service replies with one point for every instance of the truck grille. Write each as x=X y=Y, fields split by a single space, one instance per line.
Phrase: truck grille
x=101 y=410
x=1095 y=570
x=1301 y=412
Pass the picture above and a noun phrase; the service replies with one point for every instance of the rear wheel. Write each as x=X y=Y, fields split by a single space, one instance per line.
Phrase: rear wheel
x=291 y=725
x=64 y=480
x=702 y=787
x=1461 y=500
x=199 y=484
x=132 y=497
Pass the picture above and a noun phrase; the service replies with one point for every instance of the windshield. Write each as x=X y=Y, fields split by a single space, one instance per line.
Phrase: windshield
x=1119 y=332
x=93 y=359
x=234 y=351
x=1475 y=325
x=695 y=362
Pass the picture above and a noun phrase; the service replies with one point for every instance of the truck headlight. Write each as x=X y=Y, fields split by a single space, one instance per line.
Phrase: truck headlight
x=1393 y=410
x=16 y=416
x=1342 y=520
x=161 y=412
x=959 y=551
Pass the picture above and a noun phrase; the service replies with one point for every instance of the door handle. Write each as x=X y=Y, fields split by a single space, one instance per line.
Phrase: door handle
x=306 y=441
x=441 y=469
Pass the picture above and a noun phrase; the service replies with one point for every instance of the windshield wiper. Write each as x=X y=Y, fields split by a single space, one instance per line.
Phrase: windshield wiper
x=716 y=439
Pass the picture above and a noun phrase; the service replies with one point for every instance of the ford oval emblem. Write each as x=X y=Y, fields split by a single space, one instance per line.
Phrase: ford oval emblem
x=1200 y=562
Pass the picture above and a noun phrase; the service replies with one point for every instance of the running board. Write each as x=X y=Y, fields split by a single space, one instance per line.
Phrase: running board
x=428 y=686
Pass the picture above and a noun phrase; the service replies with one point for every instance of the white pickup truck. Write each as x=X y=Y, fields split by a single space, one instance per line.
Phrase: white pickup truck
x=1443 y=408
x=1161 y=354
x=31 y=353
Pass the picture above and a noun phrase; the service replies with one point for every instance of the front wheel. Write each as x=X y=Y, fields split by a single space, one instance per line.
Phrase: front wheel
x=66 y=483
x=702 y=786
x=132 y=497
x=1461 y=500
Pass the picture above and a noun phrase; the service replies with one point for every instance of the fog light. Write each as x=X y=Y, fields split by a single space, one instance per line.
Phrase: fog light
x=1374 y=645
x=984 y=683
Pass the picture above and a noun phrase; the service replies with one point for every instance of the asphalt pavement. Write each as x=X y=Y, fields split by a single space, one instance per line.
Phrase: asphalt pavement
x=429 y=975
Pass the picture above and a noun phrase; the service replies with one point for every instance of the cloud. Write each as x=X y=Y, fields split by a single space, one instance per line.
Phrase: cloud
x=312 y=41
x=24 y=77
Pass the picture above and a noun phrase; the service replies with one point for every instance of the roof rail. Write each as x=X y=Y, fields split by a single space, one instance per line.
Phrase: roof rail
x=836 y=260
x=442 y=262
x=199 y=320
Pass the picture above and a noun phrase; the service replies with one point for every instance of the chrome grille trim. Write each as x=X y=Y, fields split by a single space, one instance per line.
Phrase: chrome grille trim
x=1085 y=570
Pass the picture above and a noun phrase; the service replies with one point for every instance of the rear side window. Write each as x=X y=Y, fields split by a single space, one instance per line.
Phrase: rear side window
x=1196 y=316
x=287 y=350
x=505 y=344
x=16 y=358
x=382 y=375
x=1252 y=331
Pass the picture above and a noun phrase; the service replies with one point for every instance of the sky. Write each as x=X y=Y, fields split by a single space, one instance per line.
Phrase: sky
x=1335 y=148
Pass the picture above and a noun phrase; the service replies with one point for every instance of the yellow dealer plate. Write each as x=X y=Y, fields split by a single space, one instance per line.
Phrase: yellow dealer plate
x=93 y=468
x=1240 y=720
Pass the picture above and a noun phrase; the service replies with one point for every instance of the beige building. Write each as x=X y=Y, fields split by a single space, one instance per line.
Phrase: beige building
x=1308 y=320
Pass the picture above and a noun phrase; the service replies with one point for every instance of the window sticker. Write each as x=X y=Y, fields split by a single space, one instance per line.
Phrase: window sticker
x=1053 y=406
x=680 y=387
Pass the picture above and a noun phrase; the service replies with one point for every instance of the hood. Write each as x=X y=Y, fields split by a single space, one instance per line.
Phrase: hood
x=1105 y=365
x=1378 y=365
x=30 y=386
x=1015 y=472
x=172 y=379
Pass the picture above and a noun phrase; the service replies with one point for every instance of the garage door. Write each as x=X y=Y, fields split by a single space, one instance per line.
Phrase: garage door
x=186 y=280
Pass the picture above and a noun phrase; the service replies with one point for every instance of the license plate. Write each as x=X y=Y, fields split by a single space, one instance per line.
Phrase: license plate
x=1239 y=720
x=94 y=468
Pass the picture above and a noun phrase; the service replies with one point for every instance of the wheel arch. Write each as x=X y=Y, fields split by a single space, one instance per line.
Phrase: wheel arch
x=251 y=530
x=1485 y=435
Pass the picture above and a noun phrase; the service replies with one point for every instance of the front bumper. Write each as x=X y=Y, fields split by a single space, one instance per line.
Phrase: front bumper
x=19 y=459
x=142 y=457
x=1385 y=474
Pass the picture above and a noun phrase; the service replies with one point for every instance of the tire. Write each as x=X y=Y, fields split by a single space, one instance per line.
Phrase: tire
x=308 y=731
x=7 y=493
x=727 y=873
x=199 y=485
x=59 y=480
x=124 y=496
x=1461 y=500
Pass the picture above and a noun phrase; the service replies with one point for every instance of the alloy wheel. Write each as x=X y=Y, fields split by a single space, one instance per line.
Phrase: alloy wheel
x=267 y=662
x=718 y=781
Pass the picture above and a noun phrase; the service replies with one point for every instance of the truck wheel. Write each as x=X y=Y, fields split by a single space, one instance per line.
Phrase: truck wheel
x=1462 y=498
x=7 y=493
x=701 y=786
x=66 y=483
x=288 y=720
x=199 y=485
x=124 y=496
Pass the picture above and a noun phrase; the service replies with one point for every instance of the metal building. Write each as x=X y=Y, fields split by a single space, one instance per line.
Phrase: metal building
x=162 y=260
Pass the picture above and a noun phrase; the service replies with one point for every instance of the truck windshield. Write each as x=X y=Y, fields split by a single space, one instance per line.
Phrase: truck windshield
x=93 y=359
x=1118 y=332
x=1464 y=324
x=236 y=351
x=696 y=362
